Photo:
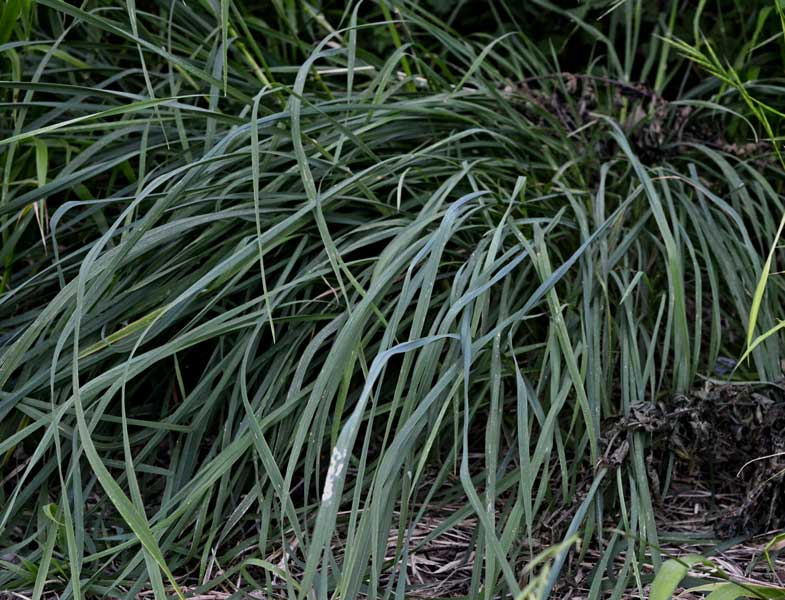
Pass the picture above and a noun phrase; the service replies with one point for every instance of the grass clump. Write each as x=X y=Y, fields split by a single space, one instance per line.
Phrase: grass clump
x=281 y=286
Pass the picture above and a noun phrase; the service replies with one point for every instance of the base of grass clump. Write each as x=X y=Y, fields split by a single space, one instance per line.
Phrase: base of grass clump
x=715 y=467
x=725 y=474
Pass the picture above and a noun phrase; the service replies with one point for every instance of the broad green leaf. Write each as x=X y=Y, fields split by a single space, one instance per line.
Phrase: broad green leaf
x=670 y=575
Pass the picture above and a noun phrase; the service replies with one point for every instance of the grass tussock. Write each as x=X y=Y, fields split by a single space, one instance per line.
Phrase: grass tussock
x=328 y=302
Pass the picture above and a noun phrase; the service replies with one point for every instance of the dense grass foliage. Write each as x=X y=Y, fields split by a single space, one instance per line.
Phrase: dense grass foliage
x=280 y=281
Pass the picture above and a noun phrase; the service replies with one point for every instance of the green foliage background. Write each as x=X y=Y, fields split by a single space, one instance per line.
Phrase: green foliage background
x=287 y=276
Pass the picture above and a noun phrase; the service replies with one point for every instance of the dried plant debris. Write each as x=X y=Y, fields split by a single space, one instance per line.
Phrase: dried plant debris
x=716 y=462
x=731 y=439
x=655 y=126
x=439 y=561
x=719 y=454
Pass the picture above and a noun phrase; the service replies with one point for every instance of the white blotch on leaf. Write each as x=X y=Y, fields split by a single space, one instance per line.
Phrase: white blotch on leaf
x=336 y=465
